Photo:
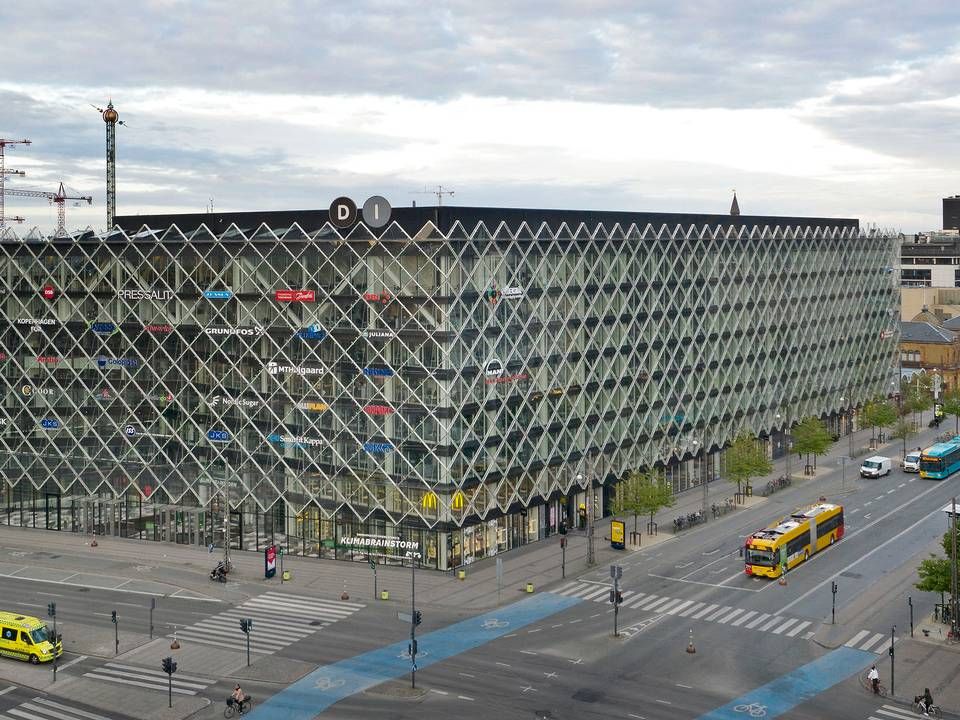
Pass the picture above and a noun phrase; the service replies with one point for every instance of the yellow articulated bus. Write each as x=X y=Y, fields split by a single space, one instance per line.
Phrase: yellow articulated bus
x=792 y=539
x=26 y=638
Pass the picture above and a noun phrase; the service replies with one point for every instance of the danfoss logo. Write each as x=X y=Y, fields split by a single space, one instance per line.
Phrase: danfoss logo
x=275 y=369
x=48 y=359
x=245 y=331
x=378 y=410
x=159 y=329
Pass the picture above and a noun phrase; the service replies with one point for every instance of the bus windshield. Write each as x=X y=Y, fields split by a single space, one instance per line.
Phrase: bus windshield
x=760 y=557
x=931 y=464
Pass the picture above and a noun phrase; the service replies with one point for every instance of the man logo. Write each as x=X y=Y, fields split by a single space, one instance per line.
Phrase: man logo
x=494 y=368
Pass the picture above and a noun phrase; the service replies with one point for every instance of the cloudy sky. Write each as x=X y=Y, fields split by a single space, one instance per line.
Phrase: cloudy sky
x=820 y=107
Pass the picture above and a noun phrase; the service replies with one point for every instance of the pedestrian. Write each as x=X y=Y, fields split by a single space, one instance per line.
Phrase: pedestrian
x=874 y=677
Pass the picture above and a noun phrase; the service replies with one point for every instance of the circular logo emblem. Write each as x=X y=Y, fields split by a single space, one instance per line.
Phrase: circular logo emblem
x=27 y=390
x=343 y=212
x=376 y=211
x=130 y=430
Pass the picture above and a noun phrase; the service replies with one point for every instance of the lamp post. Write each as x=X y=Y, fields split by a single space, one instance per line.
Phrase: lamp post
x=788 y=439
x=589 y=503
x=698 y=448
x=849 y=421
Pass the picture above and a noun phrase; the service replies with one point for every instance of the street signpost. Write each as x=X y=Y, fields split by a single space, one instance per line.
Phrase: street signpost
x=499 y=577
x=616 y=572
x=269 y=561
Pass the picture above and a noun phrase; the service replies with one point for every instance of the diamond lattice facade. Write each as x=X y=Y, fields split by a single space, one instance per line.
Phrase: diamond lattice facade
x=458 y=377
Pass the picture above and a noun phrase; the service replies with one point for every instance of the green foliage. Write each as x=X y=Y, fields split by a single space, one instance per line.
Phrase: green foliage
x=878 y=413
x=642 y=492
x=916 y=393
x=746 y=459
x=811 y=437
x=903 y=430
x=951 y=405
x=934 y=571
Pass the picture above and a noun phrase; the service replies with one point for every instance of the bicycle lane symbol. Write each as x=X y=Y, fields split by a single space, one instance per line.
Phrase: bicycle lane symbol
x=753 y=709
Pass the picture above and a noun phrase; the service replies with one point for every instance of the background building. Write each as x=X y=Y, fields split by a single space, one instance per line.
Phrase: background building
x=472 y=378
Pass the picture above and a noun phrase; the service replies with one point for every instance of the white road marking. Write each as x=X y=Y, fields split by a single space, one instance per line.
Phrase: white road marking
x=872 y=641
x=638 y=717
x=868 y=502
x=77 y=659
x=9 y=689
x=727 y=618
x=503 y=664
x=893 y=490
x=575 y=621
x=691 y=610
x=902 y=485
x=465 y=697
x=664 y=702
x=594 y=593
x=566 y=589
x=854 y=511
x=534 y=630
x=786 y=625
x=671 y=604
x=688 y=687
x=798 y=628
x=637 y=600
x=466 y=675
x=528 y=652
x=439 y=692
x=743 y=618
x=709 y=608
x=856 y=638
x=754 y=623
x=766 y=626
x=681 y=606
x=713 y=616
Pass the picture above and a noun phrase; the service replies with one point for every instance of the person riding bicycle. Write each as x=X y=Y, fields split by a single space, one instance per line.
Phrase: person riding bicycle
x=238 y=695
x=874 y=677
x=925 y=701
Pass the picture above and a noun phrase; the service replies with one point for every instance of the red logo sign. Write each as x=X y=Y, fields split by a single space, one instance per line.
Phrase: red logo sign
x=381 y=297
x=295 y=296
x=378 y=410
x=50 y=359
x=3 y=356
x=158 y=328
x=49 y=292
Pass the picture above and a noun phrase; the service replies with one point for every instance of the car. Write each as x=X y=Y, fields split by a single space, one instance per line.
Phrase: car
x=911 y=463
x=874 y=467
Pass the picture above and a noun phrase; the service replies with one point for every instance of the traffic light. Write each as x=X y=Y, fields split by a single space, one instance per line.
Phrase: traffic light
x=616 y=597
x=412 y=648
x=417 y=617
x=613 y=597
x=169 y=665
x=246 y=625
x=52 y=609
x=619 y=598
x=373 y=564
x=113 y=616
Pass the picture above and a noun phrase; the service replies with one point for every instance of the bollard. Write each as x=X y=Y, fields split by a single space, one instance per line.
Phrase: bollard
x=461 y=574
x=384 y=594
x=344 y=595
x=286 y=576
x=690 y=648
x=529 y=587
x=175 y=645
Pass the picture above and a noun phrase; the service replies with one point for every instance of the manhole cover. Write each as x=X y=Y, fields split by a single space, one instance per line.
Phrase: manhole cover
x=855 y=576
x=588 y=695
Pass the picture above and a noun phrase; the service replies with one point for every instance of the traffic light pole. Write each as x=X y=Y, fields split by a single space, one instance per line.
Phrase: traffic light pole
x=616 y=606
x=413 y=622
x=52 y=612
x=373 y=566
x=116 y=633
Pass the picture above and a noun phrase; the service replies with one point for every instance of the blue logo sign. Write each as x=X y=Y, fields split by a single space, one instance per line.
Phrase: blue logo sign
x=129 y=431
x=103 y=328
x=377 y=447
x=314 y=332
x=218 y=294
x=50 y=424
x=218 y=436
x=117 y=362
x=377 y=372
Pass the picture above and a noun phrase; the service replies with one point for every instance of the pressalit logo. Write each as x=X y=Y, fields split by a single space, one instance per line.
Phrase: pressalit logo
x=244 y=331
x=276 y=369
x=144 y=294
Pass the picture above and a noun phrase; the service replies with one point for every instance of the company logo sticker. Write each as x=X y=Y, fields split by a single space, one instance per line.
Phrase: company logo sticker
x=48 y=359
x=103 y=328
x=145 y=294
x=245 y=331
x=378 y=334
x=49 y=292
x=226 y=401
x=378 y=410
x=218 y=294
x=50 y=424
x=377 y=372
x=314 y=332
x=158 y=329
x=103 y=362
x=295 y=296
x=275 y=369
x=377 y=447
x=218 y=436
x=312 y=406
x=294 y=440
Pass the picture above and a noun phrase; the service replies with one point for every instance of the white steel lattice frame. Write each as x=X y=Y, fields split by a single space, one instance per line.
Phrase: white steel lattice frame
x=501 y=356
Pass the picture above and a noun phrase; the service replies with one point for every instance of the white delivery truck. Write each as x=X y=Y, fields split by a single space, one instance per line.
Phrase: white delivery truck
x=911 y=463
x=874 y=467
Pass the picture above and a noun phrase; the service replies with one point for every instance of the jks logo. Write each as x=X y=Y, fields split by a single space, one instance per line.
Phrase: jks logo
x=103 y=328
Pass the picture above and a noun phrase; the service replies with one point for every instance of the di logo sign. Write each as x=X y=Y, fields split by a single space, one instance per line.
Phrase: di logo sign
x=376 y=212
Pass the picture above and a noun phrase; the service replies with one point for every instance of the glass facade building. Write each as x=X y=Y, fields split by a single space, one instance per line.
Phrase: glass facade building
x=460 y=376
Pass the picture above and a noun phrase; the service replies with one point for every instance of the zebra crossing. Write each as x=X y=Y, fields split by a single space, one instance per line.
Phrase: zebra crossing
x=772 y=623
x=45 y=709
x=137 y=676
x=279 y=620
x=892 y=712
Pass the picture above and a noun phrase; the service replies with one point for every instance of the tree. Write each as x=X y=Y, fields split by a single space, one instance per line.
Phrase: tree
x=641 y=492
x=878 y=413
x=917 y=393
x=903 y=429
x=811 y=437
x=934 y=571
x=951 y=406
x=746 y=459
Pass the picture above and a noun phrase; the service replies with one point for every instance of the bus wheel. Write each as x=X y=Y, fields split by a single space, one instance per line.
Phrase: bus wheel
x=34 y=660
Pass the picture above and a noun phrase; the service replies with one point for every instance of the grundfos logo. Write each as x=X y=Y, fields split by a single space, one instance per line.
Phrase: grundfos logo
x=246 y=331
x=275 y=369
x=117 y=362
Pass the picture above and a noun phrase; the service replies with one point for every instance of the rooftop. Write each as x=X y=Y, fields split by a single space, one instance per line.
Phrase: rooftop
x=924 y=332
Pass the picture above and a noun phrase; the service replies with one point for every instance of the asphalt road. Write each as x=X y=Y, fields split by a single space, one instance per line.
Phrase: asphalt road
x=746 y=631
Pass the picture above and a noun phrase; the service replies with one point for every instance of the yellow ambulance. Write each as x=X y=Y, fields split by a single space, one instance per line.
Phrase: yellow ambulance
x=25 y=638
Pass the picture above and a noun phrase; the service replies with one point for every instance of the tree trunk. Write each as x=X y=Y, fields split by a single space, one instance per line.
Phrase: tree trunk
x=635 y=522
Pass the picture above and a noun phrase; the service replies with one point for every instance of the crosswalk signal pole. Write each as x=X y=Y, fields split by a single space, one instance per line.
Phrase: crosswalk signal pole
x=153 y=606
x=246 y=624
x=893 y=632
x=116 y=632
x=169 y=666
x=833 y=607
x=52 y=612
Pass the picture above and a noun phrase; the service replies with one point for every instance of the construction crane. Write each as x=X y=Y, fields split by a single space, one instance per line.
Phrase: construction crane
x=59 y=198
x=3 y=174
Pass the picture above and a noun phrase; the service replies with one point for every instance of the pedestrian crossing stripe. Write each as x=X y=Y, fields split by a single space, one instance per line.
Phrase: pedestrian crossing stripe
x=39 y=708
x=886 y=712
x=271 y=613
x=721 y=614
x=149 y=678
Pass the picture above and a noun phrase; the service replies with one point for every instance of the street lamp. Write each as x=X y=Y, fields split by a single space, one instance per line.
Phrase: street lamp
x=787 y=439
x=849 y=419
x=588 y=489
x=699 y=447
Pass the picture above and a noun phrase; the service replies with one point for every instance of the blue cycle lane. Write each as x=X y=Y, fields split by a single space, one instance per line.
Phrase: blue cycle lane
x=323 y=687
x=787 y=691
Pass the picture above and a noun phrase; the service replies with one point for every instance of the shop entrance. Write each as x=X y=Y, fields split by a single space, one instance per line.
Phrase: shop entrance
x=52 y=510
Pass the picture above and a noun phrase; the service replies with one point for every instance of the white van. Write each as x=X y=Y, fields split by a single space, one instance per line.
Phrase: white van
x=875 y=467
x=911 y=463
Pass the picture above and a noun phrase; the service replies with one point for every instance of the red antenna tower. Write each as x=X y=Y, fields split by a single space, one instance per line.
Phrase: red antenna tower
x=3 y=174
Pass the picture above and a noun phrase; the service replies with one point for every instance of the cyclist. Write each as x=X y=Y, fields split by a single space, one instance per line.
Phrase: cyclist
x=925 y=701
x=874 y=677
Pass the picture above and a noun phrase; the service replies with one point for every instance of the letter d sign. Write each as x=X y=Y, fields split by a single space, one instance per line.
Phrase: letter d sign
x=343 y=212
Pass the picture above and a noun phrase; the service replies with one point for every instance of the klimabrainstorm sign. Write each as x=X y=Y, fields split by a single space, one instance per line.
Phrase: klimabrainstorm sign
x=381 y=545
